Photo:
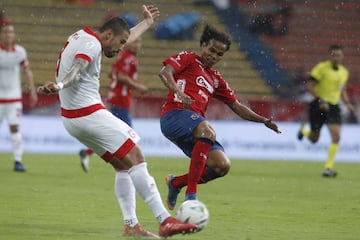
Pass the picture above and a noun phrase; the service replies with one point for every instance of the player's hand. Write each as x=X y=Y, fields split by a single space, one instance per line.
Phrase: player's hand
x=151 y=13
x=351 y=109
x=185 y=99
x=33 y=97
x=142 y=89
x=269 y=123
x=324 y=106
x=48 y=88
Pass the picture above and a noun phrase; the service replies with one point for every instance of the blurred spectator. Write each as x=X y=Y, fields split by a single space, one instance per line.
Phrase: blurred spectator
x=271 y=20
x=3 y=18
x=85 y=3
x=129 y=17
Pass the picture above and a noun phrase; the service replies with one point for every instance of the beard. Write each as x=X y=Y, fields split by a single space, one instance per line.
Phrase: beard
x=109 y=54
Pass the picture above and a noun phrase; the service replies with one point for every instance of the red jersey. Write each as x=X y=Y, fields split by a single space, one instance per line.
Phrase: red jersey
x=200 y=83
x=120 y=95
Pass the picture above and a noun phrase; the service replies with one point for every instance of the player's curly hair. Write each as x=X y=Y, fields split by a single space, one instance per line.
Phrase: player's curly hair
x=117 y=24
x=211 y=32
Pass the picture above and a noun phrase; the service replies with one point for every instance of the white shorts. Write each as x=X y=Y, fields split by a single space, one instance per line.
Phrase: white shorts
x=12 y=112
x=104 y=133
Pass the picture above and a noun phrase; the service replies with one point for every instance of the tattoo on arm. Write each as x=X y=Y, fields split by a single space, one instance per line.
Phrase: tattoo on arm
x=78 y=67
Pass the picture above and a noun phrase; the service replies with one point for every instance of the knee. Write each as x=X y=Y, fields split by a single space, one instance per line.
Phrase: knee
x=336 y=139
x=205 y=131
x=14 y=128
x=314 y=137
x=221 y=167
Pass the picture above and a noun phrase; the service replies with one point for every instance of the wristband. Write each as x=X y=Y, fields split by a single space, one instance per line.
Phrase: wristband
x=60 y=85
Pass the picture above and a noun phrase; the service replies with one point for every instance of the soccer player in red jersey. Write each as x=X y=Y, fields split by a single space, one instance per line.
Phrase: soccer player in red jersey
x=124 y=80
x=193 y=82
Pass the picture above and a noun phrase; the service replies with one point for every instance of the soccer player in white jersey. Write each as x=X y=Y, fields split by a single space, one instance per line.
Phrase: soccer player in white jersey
x=86 y=118
x=13 y=58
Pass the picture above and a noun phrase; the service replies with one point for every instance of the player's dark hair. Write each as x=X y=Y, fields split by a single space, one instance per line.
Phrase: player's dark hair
x=116 y=24
x=212 y=33
x=335 y=47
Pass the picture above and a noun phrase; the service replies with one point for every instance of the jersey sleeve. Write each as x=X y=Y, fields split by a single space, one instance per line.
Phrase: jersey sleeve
x=223 y=92
x=24 y=62
x=179 y=61
x=316 y=71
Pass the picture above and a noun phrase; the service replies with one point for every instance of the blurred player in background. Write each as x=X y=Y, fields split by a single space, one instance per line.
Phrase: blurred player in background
x=327 y=85
x=85 y=117
x=124 y=79
x=13 y=57
x=193 y=82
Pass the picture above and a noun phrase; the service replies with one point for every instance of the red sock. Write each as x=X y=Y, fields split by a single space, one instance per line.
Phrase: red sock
x=89 y=151
x=197 y=163
x=207 y=175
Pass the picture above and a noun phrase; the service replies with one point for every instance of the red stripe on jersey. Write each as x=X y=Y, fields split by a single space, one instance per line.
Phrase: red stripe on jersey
x=83 y=56
x=120 y=153
x=81 y=112
x=91 y=32
x=10 y=100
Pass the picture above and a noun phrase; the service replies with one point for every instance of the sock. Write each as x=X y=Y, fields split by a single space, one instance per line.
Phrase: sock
x=207 y=175
x=305 y=131
x=333 y=148
x=17 y=146
x=125 y=194
x=146 y=187
x=197 y=163
x=89 y=151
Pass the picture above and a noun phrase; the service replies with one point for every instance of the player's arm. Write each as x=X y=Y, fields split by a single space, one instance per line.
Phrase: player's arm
x=310 y=85
x=78 y=66
x=167 y=77
x=248 y=114
x=126 y=80
x=345 y=98
x=150 y=13
x=323 y=105
x=31 y=85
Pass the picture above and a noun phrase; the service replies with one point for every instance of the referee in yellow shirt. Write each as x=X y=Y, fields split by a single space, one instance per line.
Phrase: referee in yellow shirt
x=327 y=84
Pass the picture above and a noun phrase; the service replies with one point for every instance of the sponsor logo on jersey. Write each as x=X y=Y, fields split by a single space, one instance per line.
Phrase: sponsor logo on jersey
x=200 y=81
x=89 y=45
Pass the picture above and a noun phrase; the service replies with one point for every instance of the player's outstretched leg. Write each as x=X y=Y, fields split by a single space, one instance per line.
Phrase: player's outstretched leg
x=172 y=193
x=172 y=226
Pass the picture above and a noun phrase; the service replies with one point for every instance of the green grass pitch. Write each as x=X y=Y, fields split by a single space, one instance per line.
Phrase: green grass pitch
x=257 y=200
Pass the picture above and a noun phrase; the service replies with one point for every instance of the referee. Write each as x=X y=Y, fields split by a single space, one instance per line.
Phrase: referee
x=327 y=85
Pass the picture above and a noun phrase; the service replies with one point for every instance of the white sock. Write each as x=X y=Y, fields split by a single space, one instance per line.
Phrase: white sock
x=145 y=185
x=17 y=146
x=125 y=194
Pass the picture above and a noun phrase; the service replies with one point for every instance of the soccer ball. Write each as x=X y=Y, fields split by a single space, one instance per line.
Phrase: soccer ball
x=193 y=211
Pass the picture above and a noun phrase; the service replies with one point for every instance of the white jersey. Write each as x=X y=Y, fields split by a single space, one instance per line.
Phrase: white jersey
x=10 y=77
x=82 y=44
x=83 y=113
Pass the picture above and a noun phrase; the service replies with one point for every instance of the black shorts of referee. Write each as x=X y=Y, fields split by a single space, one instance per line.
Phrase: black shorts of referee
x=319 y=117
